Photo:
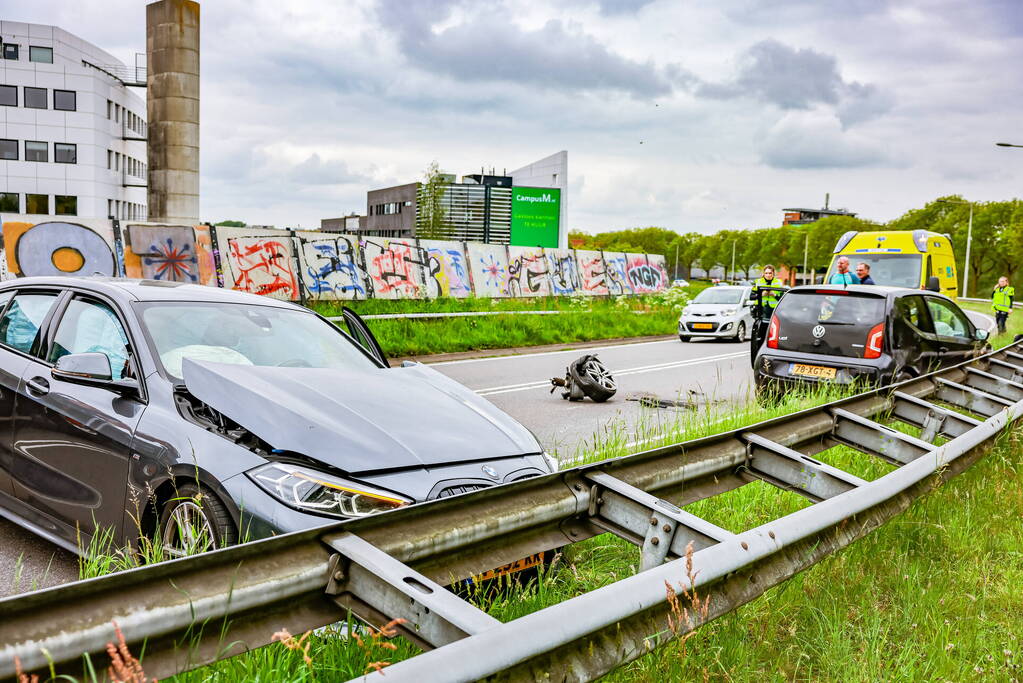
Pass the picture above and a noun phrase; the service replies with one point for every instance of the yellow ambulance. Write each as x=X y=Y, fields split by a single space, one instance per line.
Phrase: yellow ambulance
x=901 y=258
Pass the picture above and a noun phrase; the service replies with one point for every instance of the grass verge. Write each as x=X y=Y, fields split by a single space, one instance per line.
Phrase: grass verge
x=582 y=318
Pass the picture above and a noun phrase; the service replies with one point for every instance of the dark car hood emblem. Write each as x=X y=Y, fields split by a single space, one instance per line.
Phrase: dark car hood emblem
x=360 y=420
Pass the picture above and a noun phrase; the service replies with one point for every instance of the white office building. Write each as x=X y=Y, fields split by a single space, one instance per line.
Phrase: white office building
x=72 y=130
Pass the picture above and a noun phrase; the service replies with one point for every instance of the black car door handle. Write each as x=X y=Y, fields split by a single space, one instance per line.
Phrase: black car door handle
x=38 y=386
x=942 y=349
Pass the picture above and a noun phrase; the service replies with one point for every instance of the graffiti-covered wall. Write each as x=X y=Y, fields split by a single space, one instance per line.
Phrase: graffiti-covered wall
x=308 y=265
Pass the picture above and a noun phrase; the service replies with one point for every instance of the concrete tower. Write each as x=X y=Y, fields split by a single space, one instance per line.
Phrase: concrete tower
x=172 y=49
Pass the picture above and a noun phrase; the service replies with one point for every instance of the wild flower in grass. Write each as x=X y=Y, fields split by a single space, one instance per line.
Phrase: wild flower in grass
x=124 y=668
x=300 y=644
x=23 y=677
x=377 y=640
x=680 y=622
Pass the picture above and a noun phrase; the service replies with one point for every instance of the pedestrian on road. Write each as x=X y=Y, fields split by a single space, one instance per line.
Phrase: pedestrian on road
x=842 y=276
x=1001 y=302
x=863 y=273
x=769 y=299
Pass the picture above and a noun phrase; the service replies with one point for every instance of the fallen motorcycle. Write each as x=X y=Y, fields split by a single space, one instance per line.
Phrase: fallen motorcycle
x=586 y=376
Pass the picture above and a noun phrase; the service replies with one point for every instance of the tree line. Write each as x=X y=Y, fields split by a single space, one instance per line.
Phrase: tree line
x=997 y=243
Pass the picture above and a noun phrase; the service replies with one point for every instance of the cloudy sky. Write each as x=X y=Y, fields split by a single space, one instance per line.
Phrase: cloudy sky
x=693 y=115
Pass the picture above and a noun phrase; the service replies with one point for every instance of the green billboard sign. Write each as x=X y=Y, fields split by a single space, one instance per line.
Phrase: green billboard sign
x=535 y=216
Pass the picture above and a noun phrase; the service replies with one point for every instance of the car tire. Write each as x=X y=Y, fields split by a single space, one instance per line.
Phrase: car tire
x=740 y=332
x=593 y=378
x=684 y=338
x=194 y=520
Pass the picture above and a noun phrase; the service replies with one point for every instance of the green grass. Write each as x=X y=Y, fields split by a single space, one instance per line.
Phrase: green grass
x=584 y=319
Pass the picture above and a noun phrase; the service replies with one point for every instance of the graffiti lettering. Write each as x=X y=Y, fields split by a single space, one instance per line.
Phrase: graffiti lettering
x=262 y=266
x=57 y=248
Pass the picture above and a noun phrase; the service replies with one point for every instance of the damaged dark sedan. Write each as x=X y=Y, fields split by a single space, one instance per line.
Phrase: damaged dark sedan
x=201 y=417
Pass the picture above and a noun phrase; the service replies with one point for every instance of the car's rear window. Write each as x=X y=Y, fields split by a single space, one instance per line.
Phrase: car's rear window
x=835 y=324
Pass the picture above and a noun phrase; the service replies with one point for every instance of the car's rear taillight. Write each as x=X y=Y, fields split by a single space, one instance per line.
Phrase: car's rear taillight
x=772 y=333
x=875 y=338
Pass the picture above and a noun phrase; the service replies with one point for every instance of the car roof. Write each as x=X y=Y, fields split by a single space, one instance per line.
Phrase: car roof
x=125 y=289
x=876 y=290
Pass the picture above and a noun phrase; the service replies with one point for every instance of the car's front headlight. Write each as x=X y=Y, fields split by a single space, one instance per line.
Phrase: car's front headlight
x=685 y=311
x=313 y=491
x=731 y=311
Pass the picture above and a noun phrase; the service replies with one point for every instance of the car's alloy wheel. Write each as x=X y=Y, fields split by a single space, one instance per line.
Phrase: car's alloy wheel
x=194 y=521
x=594 y=379
x=740 y=332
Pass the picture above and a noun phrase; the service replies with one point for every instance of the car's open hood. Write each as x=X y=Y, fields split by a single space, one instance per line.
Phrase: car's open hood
x=360 y=420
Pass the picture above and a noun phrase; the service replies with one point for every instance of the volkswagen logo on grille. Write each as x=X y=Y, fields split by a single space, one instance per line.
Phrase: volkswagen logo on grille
x=490 y=472
x=818 y=331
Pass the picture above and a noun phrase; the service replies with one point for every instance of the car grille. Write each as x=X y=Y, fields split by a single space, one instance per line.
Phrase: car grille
x=713 y=327
x=460 y=489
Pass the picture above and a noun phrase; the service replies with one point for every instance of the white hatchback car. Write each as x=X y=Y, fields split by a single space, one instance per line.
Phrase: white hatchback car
x=722 y=312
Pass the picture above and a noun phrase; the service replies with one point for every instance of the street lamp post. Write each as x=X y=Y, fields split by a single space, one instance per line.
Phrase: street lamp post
x=806 y=248
x=969 y=238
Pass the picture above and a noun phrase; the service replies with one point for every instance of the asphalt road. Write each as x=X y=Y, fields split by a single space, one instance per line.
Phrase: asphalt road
x=520 y=385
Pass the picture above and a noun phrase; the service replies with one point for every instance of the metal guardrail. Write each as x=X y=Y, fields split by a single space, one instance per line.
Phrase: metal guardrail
x=975 y=300
x=462 y=314
x=196 y=610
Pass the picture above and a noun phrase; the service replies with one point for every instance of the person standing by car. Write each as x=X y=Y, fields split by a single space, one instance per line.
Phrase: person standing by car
x=1001 y=302
x=770 y=297
x=863 y=273
x=842 y=276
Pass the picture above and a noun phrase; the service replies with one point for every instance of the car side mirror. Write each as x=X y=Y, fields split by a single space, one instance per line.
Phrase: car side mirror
x=91 y=369
x=980 y=335
x=933 y=284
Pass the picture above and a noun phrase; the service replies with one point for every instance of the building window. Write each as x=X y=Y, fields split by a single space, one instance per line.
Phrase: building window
x=9 y=202
x=40 y=54
x=35 y=98
x=37 y=203
x=65 y=206
x=36 y=151
x=110 y=208
x=9 y=95
x=65 y=153
x=9 y=149
x=110 y=109
x=110 y=160
x=10 y=51
x=65 y=100
x=117 y=113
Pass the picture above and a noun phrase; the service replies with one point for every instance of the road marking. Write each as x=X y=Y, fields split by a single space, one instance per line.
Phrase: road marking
x=584 y=349
x=510 y=388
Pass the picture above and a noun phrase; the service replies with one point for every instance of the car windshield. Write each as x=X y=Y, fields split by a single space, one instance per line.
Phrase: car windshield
x=719 y=295
x=894 y=270
x=244 y=334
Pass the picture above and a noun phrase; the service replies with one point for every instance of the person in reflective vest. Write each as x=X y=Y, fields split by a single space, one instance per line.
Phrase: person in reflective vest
x=769 y=299
x=1001 y=302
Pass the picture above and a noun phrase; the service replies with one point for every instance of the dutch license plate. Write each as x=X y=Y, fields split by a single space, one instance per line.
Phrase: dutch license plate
x=813 y=371
x=511 y=568
x=702 y=326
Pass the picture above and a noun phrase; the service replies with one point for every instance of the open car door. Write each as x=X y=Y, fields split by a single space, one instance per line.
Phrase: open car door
x=762 y=313
x=360 y=332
